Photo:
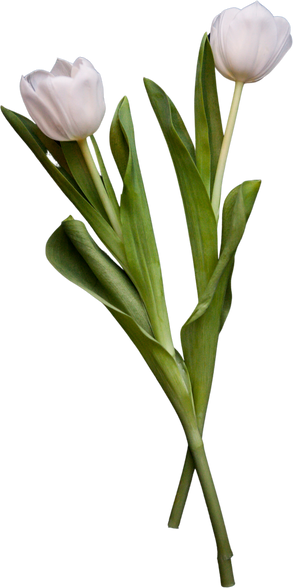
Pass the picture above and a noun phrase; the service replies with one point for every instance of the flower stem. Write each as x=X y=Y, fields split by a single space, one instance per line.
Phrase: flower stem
x=224 y=550
x=182 y=491
x=112 y=214
x=216 y=196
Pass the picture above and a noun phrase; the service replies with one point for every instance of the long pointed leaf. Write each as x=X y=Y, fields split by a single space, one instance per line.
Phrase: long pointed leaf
x=71 y=247
x=32 y=136
x=236 y=214
x=250 y=200
x=200 y=218
x=140 y=245
x=208 y=125
x=46 y=144
x=80 y=172
x=200 y=333
x=63 y=255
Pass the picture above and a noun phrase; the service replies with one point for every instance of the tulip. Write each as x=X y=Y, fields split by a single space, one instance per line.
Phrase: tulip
x=247 y=44
x=67 y=103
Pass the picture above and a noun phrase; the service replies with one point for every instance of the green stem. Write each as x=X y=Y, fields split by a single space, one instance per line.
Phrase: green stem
x=107 y=204
x=182 y=491
x=216 y=196
x=224 y=550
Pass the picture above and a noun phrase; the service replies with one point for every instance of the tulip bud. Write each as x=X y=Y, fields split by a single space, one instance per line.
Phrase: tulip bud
x=247 y=44
x=67 y=103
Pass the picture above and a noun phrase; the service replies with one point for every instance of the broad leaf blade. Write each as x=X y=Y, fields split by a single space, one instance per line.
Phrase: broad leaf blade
x=139 y=240
x=250 y=190
x=71 y=247
x=200 y=218
x=64 y=256
x=208 y=125
x=236 y=211
x=200 y=333
x=199 y=343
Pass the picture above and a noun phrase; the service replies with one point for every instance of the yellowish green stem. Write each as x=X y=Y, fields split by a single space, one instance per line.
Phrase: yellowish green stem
x=107 y=204
x=216 y=196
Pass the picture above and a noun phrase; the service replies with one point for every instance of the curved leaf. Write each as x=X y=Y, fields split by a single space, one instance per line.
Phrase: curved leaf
x=200 y=333
x=208 y=125
x=120 y=290
x=46 y=144
x=236 y=211
x=63 y=255
x=200 y=218
x=250 y=190
x=40 y=145
x=80 y=172
x=139 y=240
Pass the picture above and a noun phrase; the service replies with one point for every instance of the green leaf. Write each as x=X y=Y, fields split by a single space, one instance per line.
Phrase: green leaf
x=200 y=218
x=236 y=214
x=45 y=143
x=71 y=248
x=208 y=125
x=200 y=333
x=139 y=240
x=80 y=172
x=33 y=137
x=199 y=339
x=63 y=255
x=105 y=177
x=251 y=189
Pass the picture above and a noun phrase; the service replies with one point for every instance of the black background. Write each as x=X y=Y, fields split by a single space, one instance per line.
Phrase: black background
x=91 y=449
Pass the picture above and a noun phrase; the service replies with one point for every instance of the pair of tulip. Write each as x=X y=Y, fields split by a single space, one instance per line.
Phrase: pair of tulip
x=68 y=103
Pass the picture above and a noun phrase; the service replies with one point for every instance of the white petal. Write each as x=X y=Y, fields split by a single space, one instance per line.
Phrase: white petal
x=247 y=44
x=55 y=94
x=40 y=113
x=67 y=103
x=284 y=42
x=251 y=41
x=37 y=76
x=87 y=105
x=62 y=68
x=218 y=37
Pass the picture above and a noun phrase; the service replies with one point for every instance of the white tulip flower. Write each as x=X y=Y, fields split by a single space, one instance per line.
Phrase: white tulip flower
x=67 y=103
x=247 y=44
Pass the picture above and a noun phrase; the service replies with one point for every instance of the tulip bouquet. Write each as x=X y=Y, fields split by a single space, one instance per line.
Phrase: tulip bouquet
x=67 y=105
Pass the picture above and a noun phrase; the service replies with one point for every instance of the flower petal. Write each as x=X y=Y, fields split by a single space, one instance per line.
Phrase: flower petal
x=247 y=44
x=62 y=68
x=40 y=113
x=67 y=103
